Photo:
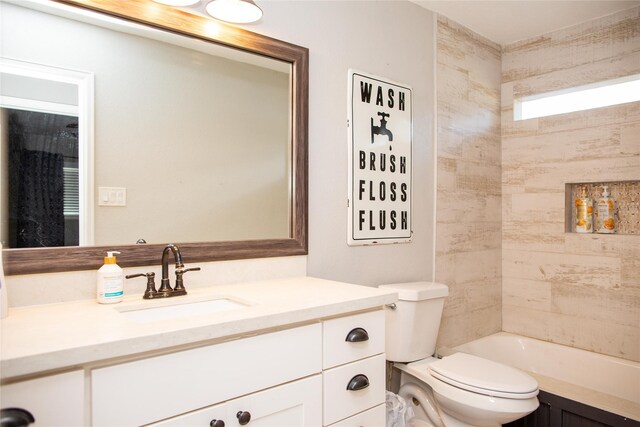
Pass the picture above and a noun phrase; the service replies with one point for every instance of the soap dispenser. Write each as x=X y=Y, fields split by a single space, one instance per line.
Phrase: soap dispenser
x=605 y=213
x=584 y=212
x=110 y=281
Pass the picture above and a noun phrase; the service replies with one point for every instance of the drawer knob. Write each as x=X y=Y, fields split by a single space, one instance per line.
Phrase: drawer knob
x=216 y=423
x=357 y=335
x=243 y=417
x=15 y=417
x=359 y=382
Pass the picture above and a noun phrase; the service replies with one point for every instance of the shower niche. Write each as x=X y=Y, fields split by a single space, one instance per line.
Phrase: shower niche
x=626 y=196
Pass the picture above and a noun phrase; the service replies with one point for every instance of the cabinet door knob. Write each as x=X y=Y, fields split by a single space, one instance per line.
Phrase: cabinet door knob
x=358 y=382
x=357 y=335
x=15 y=417
x=216 y=423
x=243 y=417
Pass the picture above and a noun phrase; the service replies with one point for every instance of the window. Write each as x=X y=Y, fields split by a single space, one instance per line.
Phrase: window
x=596 y=95
x=71 y=193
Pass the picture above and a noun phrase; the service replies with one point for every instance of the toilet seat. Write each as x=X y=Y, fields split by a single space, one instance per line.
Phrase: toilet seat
x=483 y=376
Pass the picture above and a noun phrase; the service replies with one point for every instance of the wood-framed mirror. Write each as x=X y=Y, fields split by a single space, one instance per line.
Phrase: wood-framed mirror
x=289 y=242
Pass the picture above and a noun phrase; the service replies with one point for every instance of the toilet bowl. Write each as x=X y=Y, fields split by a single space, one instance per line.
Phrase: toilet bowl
x=468 y=391
x=460 y=390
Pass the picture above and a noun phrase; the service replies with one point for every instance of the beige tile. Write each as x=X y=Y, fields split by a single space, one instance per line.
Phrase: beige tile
x=568 y=146
x=473 y=296
x=590 y=270
x=468 y=236
x=533 y=236
x=477 y=266
x=456 y=330
x=455 y=206
x=608 y=37
x=537 y=207
x=592 y=72
x=620 y=114
x=478 y=176
x=618 y=306
x=526 y=321
x=630 y=273
x=446 y=269
x=483 y=146
x=453 y=83
x=447 y=172
x=592 y=335
x=612 y=245
x=532 y=294
x=469 y=208
x=553 y=176
x=630 y=138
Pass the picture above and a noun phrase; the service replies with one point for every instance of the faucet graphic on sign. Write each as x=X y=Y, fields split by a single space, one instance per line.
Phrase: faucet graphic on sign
x=382 y=129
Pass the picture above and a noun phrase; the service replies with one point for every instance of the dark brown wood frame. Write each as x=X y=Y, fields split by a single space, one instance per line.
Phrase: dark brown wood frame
x=47 y=260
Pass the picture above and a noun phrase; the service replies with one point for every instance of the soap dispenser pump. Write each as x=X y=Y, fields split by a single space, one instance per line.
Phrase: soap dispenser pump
x=605 y=213
x=110 y=281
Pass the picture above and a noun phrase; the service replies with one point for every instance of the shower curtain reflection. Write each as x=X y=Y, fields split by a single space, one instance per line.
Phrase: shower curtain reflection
x=43 y=180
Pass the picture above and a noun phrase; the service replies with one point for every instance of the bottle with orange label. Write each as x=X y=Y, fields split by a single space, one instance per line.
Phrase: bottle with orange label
x=605 y=213
x=584 y=212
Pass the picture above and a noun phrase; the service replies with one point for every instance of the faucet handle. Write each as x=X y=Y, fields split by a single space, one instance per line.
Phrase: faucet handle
x=179 y=288
x=150 y=292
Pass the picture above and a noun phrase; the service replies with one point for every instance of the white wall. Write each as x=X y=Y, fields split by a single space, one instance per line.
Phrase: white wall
x=392 y=39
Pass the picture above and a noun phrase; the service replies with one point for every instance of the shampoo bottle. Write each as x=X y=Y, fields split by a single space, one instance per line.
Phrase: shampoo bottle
x=110 y=281
x=605 y=220
x=584 y=212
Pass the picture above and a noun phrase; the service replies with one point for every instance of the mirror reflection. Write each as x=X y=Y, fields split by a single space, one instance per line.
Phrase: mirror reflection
x=174 y=143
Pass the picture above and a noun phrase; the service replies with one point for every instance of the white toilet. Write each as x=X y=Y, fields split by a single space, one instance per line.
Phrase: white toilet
x=459 y=390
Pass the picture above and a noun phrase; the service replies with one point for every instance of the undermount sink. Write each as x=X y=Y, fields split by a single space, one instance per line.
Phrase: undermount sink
x=145 y=313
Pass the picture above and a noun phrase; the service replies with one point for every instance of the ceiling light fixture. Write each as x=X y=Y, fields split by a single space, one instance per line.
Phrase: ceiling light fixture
x=177 y=2
x=234 y=11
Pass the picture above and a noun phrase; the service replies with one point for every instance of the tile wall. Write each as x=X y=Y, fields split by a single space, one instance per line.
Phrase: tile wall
x=468 y=217
x=581 y=290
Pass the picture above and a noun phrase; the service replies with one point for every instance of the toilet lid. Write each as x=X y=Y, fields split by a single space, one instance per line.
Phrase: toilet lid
x=484 y=376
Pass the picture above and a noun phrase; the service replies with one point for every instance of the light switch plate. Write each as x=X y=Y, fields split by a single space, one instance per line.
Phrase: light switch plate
x=112 y=196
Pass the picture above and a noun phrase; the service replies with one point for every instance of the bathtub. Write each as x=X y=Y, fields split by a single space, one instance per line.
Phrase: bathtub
x=597 y=380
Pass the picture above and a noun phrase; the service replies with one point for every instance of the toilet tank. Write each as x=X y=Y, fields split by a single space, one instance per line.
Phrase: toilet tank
x=412 y=327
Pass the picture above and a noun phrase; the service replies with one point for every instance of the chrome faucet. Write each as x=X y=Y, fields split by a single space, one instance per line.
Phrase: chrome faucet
x=165 y=290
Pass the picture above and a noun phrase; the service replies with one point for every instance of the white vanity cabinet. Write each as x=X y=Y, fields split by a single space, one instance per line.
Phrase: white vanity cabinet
x=161 y=387
x=354 y=370
x=327 y=373
x=320 y=374
x=53 y=401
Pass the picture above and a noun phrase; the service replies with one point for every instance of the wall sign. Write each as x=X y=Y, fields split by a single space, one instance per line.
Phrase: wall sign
x=380 y=139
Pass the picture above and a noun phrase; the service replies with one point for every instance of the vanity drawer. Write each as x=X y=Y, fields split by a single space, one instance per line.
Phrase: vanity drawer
x=366 y=338
x=340 y=402
x=374 y=417
x=293 y=404
x=156 y=388
x=55 y=400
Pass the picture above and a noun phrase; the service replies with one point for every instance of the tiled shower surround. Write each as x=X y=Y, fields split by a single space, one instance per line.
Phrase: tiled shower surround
x=581 y=290
x=468 y=228
x=501 y=244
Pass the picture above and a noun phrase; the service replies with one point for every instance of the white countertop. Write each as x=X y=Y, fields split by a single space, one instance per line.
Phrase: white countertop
x=51 y=337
